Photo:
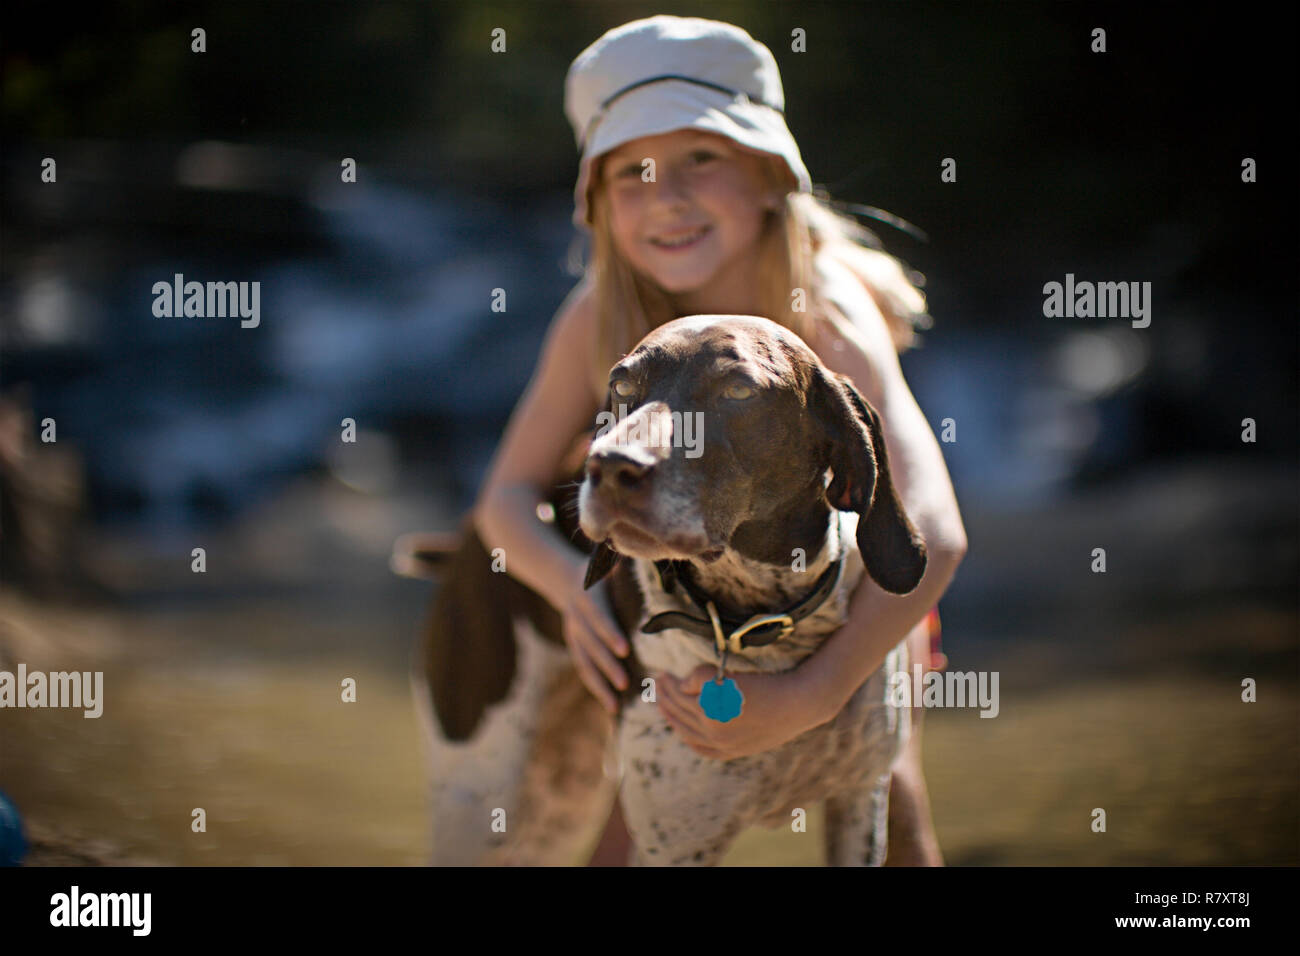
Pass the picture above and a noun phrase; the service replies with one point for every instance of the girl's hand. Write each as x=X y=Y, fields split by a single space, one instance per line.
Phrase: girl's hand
x=594 y=638
x=777 y=708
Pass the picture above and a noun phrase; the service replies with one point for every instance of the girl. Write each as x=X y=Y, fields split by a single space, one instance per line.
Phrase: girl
x=697 y=201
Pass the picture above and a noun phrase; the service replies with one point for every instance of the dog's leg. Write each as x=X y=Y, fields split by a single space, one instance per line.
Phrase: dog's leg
x=857 y=826
x=858 y=816
x=680 y=809
x=527 y=788
x=566 y=796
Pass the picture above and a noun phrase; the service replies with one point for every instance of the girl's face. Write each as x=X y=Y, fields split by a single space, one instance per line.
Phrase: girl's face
x=694 y=229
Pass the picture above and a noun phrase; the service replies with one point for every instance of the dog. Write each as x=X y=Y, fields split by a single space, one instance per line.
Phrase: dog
x=754 y=544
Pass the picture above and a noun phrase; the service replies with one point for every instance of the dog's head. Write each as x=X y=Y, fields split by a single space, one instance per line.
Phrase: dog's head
x=721 y=423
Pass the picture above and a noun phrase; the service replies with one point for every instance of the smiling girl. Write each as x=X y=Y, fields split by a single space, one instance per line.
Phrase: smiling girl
x=698 y=202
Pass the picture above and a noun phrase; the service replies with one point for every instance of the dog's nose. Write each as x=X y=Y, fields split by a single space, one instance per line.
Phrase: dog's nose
x=618 y=469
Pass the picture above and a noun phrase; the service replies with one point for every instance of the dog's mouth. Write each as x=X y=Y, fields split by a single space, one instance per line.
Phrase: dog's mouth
x=637 y=534
x=632 y=538
x=628 y=538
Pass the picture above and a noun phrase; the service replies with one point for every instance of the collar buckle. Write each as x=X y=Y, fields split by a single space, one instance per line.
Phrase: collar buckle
x=733 y=643
x=735 y=639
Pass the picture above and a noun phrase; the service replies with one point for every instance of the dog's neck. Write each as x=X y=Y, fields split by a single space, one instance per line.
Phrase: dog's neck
x=770 y=564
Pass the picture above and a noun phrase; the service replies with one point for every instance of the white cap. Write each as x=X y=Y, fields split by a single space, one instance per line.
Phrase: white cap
x=667 y=73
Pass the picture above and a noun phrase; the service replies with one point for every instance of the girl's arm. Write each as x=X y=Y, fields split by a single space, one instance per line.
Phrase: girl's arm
x=557 y=405
x=554 y=408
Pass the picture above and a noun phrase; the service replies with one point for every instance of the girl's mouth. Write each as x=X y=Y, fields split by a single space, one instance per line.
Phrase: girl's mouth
x=683 y=240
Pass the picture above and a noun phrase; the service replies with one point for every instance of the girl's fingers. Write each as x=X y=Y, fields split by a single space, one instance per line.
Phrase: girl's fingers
x=606 y=628
x=602 y=656
x=588 y=673
x=614 y=638
x=671 y=702
x=592 y=679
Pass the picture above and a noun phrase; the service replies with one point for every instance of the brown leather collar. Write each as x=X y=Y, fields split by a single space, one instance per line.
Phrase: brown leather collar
x=754 y=631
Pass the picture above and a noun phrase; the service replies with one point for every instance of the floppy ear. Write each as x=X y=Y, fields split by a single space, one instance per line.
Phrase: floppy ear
x=892 y=549
x=603 y=557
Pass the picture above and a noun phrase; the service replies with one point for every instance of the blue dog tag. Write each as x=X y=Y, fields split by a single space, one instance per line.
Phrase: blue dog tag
x=721 y=700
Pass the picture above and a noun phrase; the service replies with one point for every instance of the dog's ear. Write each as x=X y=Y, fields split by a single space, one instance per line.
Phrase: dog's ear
x=601 y=563
x=892 y=549
x=603 y=557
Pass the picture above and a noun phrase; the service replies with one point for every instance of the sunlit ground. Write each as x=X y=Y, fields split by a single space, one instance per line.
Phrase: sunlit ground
x=287 y=774
x=233 y=705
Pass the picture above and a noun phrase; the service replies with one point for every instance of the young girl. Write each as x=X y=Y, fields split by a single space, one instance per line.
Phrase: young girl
x=697 y=201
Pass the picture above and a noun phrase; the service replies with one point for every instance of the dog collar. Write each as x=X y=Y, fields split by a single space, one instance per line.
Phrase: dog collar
x=754 y=631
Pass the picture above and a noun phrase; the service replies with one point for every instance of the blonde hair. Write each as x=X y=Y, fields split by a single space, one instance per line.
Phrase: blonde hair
x=628 y=306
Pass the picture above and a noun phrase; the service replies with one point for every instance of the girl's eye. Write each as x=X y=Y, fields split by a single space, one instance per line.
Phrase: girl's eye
x=738 y=391
x=701 y=156
x=623 y=388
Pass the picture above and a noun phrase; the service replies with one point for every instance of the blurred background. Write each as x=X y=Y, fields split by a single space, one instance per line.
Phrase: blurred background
x=1119 y=690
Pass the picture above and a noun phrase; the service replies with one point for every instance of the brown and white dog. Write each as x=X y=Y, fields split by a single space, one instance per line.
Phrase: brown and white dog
x=778 y=502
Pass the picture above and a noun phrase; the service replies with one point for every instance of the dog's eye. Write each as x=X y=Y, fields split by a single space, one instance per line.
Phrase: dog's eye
x=623 y=388
x=738 y=391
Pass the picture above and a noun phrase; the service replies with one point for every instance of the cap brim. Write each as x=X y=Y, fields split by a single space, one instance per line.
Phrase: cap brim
x=666 y=107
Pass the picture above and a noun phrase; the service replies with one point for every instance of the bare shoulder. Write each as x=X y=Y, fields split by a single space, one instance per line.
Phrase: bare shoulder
x=857 y=342
x=581 y=300
x=576 y=311
x=556 y=405
x=572 y=334
x=890 y=286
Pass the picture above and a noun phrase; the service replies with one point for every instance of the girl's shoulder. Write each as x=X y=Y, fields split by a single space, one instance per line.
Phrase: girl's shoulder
x=579 y=306
x=869 y=288
x=858 y=338
x=574 y=331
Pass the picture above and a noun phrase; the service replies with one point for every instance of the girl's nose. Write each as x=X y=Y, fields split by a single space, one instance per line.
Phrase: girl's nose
x=669 y=186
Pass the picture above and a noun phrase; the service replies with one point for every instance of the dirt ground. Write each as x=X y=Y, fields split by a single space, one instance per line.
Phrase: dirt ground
x=223 y=692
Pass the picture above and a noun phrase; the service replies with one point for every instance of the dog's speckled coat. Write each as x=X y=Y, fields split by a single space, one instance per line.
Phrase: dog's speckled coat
x=541 y=754
x=537 y=756
x=683 y=809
